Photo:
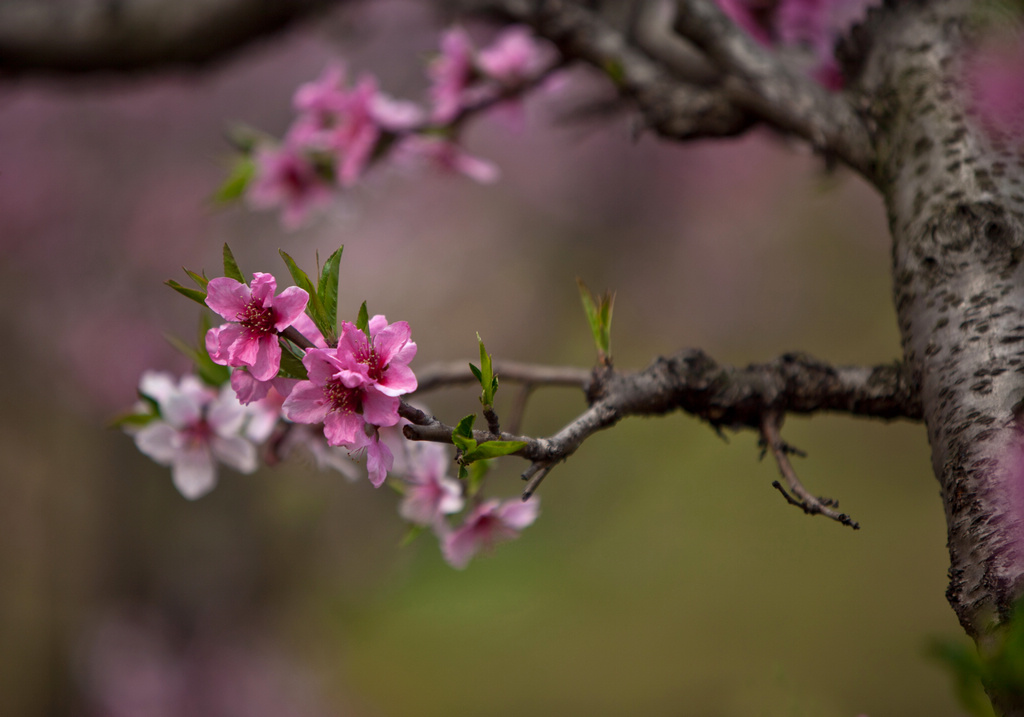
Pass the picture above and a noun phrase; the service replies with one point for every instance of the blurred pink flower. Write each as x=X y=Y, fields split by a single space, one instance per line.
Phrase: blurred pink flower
x=319 y=102
x=430 y=492
x=450 y=74
x=445 y=155
x=287 y=176
x=256 y=317
x=379 y=459
x=515 y=56
x=489 y=523
x=197 y=427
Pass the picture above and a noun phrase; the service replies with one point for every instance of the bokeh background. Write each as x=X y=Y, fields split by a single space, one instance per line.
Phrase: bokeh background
x=665 y=576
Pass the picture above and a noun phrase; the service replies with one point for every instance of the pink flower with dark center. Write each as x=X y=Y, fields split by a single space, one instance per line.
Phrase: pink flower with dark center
x=515 y=57
x=340 y=394
x=488 y=524
x=287 y=176
x=197 y=427
x=247 y=387
x=451 y=74
x=251 y=340
x=382 y=357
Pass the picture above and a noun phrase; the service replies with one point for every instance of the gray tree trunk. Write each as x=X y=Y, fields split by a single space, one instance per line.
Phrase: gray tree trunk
x=955 y=201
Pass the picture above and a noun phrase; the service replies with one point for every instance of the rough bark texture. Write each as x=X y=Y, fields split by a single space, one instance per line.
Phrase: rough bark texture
x=956 y=211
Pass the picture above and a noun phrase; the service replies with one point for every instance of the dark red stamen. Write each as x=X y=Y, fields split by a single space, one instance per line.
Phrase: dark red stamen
x=257 y=318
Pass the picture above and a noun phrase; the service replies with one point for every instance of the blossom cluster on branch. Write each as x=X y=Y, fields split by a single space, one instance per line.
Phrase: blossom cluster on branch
x=342 y=127
x=284 y=372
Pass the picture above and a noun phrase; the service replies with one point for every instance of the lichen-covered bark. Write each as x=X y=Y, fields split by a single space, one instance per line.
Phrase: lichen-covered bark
x=956 y=209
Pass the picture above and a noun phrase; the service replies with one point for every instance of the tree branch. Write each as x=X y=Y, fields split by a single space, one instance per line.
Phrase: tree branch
x=674 y=108
x=759 y=81
x=724 y=396
x=78 y=36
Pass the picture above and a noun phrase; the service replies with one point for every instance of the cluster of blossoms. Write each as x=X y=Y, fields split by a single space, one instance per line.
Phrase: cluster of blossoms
x=352 y=387
x=277 y=373
x=341 y=128
x=431 y=494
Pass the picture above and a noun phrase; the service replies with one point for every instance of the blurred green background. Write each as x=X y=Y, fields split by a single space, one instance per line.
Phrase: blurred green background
x=665 y=576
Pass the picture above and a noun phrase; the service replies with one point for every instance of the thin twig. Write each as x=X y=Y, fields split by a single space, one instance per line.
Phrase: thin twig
x=439 y=375
x=804 y=500
x=535 y=474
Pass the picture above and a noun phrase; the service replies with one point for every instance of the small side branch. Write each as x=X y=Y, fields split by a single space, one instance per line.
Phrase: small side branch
x=772 y=440
x=452 y=373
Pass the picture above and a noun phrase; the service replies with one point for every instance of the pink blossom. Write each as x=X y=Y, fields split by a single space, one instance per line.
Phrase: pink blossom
x=396 y=115
x=515 y=57
x=287 y=176
x=451 y=74
x=430 y=492
x=489 y=523
x=447 y=156
x=197 y=427
x=340 y=394
x=247 y=387
x=321 y=100
x=304 y=437
x=355 y=135
x=379 y=459
x=251 y=340
x=383 y=357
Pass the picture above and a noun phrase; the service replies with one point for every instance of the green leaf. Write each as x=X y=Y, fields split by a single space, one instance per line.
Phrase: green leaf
x=327 y=289
x=291 y=365
x=493 y=449
x=462 y=436
x=411 y=535
x=241 y=174
x=314 y=307
x=968 y=671
x=200 y=279
x=363 y=320
x=485 y=375
x=211 y=374
x=231 y=269
x=195 y=294
x=132 y=419
x=475 y=474
x=246 y=139
x=599 y=315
